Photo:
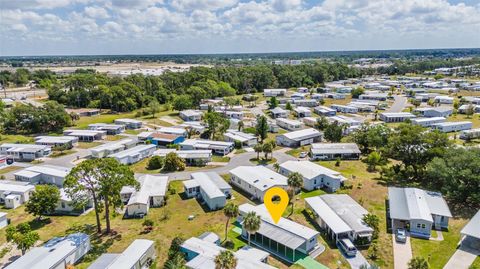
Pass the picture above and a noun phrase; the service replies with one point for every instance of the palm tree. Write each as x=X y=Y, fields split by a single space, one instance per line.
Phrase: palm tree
x=240 y=125
x=175 y=262
x=294 y=181
x=230 y=211
x=267 y=148
x=418 y=263
x=251 y=224
x=276 y=166
x=225 y=260
x=258 y=148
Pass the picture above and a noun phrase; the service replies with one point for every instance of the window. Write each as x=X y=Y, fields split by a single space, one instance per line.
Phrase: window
x=63 y=204
x=418 y=225
x=423 y=226
x=315 y=181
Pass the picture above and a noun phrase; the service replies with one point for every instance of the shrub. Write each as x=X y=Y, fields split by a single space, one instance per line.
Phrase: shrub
x=156 y=162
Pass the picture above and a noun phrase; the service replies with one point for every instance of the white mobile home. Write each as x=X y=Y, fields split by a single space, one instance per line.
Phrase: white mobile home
x=279 y=112
x=43 y=174
x=13 y=194
x=151 y=194
x=306 y=102
x=324 y=111
x=135 y=154
x=340 y=217
x=470 y=134
x=111 y=129
x=286 y=239
x=274 y=92
x=247 y=140
x=419 y=210
x=314 y=176
x=209 y=188
x=427 y=122
x=173 y=131
x=197 y=157
x=24 y=152
x=57 y=253
x=56 y=141
x=200 y=253
x=3 y=219
x=333 y=151
x=86 y=135
x=374 y=96
x=288 y=124
x=302 y=89
x=434 y=112
x=309 y=121
x=190 y=115
x=299 y=138
x=217 y=147
x=463 y=109
x=129 y=123
x=471 y=233
x=256 y=180
x=345 y=109
x=112 y=147
x=396 y=116
x=140 y=254
x=302 y=112
x=441 y=99
x=447 y=127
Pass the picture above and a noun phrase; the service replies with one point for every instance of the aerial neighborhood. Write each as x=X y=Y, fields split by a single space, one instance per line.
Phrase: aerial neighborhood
x=381 y=170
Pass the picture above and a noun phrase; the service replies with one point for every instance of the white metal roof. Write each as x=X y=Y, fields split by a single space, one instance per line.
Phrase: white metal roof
x=20 y=147
x=239 y=136
x=132 y=254
x=83 y=132
x=398 y=114
x=54 y=139
x=172 y=130
x=207 y=185
x=115 y=145
x=302 y=134
x=49 y=170
x=278 y=110
x=150 y=186
x=335 y=148
x=260 y=177
x=17 y=188
x=310 y=170
x=289 y=121
x=286 y=232
x=132 y=151
x=473 y=227
x=452 y=123
x=332 y=220
x=51 y=253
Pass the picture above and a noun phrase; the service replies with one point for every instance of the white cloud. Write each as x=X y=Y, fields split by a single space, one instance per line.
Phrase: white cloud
x=96 y=12
x=192 y=5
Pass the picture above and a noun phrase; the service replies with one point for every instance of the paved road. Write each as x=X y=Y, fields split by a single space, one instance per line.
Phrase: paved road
x=242 y=159
x=402 y=253
x=399 y=104
x=462 y=258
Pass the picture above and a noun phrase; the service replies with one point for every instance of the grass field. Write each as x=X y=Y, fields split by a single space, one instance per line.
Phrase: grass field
x=475 y=119
x=87 y=145
x=9 y=169
x=220 y=159
x=83 y=122
x=15 y=139
x=56 y=154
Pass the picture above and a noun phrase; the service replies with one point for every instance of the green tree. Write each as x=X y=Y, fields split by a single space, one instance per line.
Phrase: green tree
x=216 y=124
x=43 y=200
x=288 y=106
x=225 y=260
x=22 y=236
x=418 y=263
x=295 y=182
x=334 y=132
x=154 y=107
x=156 y=162
x=276 y=166
x=267 y=148
x=83 y=179
x=182 y=102
x=373 y=221
x=230 y=211
x=373 y=159
x=262 y=127
x=357 y=92
x=113 y=176
x=241 y=125
x=251 y=224
x=173 y=163
x=273 y=102
x=258 y=148
x=321 y=123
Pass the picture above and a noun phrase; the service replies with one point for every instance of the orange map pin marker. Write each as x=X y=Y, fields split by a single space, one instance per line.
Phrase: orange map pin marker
x=276 y=208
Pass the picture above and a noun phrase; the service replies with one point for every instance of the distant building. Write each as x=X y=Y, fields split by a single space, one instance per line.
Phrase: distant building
x=301 y=112
x=447 y=127
x=84 y=112
x=471 y=233
x=396 y=116
x=190 y=115
x=427 y=122
x=246 y=140
x=434 y=112
x=345 y=109
x=24 y=152
x=58 y=252
x=217 y=147
x=86 y=135
x=198 y=157
x=56 y=141
x=111 y=129
x=306 y=102
x=129 y=123
x=314 y=176
x=374 y=96
x=299 y=138
x=324 y=111
x=173 y=130
x=333 y=151
x=279 y=112
x=112 y=147
x=274 y=92
x=287 y=124
x=470 y=134
x=43 y=174
x=139 y=254
x=134 y=154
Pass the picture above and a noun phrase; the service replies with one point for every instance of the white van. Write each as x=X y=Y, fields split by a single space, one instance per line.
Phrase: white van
x=347 y=246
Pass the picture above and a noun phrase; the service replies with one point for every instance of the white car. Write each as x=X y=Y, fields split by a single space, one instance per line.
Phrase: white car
x=303 y=154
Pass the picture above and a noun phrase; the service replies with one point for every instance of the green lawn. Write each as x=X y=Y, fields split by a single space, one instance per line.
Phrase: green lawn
x=439 y=252
x=87 y=145
x=15 y=139
x=296 y=151
x=83 y=122
x=220 y=159
x=56 y=154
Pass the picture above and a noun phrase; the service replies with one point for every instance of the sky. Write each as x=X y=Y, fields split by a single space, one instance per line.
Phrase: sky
x=85 y=27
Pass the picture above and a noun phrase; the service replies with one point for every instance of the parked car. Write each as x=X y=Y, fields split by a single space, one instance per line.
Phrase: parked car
x=303 y=154
x=348 y=248
x=401 y=235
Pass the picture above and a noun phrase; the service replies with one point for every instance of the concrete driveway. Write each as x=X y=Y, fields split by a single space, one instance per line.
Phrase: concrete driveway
x=357 y=261
x=462 y=258
x=399 y=104
x=402 y=253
